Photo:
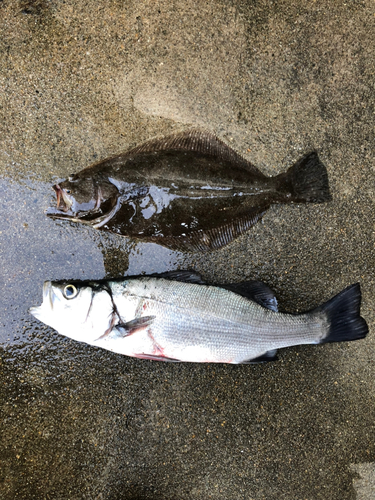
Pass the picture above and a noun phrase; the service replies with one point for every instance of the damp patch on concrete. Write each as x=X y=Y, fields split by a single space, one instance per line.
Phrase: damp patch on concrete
x=364 y=485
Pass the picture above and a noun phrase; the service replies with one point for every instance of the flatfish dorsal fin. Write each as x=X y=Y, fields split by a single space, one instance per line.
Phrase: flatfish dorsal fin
x=198 y=141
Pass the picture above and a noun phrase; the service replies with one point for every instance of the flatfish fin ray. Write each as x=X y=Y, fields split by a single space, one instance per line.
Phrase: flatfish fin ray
x=214 y=238
x=256 y=291
x=199 y=141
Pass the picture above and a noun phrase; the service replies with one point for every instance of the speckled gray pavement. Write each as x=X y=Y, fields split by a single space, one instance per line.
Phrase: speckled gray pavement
x=82 y=80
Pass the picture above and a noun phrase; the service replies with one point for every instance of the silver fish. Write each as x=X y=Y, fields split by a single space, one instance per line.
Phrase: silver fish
x=176 y=317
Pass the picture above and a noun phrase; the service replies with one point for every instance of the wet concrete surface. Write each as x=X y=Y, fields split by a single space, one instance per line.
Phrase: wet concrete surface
x=84 y=80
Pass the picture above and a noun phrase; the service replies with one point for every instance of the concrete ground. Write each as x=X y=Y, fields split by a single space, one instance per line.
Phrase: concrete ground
x=84 y=80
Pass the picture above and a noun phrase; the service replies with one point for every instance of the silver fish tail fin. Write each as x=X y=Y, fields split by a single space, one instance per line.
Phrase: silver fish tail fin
x=344 y=317
x=307 y=180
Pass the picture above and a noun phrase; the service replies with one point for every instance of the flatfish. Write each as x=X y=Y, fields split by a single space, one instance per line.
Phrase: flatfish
x=188 y=191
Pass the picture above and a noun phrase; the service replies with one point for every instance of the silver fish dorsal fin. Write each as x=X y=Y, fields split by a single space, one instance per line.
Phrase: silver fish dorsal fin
x=188 y=276
x=256 y=291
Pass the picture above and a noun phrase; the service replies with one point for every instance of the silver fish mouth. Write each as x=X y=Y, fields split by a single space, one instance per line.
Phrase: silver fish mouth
x=37 y=311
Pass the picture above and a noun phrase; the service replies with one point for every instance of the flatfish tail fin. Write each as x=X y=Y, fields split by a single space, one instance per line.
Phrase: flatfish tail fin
x=214 y=238
x=307 y=180
x=199 y=141
x=344 y=317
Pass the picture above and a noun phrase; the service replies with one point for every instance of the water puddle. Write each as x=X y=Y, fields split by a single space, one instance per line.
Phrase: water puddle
x=34 y=248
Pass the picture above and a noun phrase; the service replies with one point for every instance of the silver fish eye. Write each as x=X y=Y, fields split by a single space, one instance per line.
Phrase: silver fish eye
x=70 y=291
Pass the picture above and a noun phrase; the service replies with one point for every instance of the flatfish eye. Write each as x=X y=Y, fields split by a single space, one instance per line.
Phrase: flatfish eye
x=70 y=291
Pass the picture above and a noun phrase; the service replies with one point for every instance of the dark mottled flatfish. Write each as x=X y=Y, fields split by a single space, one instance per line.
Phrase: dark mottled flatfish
x=188 y=191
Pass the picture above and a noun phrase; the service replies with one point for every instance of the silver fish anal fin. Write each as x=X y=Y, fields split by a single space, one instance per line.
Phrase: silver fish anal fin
x=155 y=357
x=263 y=358
x=136 y=324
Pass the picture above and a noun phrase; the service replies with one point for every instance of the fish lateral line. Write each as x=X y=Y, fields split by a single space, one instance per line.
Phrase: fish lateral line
x=191 y=336
x=254 y=291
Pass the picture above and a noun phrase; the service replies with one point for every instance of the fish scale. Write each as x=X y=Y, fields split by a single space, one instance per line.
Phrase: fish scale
x=218 y=319
x=178 y=317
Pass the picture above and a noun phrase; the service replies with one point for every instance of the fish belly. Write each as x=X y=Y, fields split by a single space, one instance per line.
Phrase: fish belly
x=200 y=323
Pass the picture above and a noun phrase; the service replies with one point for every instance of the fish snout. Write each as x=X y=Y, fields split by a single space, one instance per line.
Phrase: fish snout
x=40 y=312
x=64 y=201
x=35 y=311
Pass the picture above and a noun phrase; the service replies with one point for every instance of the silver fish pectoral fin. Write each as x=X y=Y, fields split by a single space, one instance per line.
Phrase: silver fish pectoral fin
x=136 y=324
